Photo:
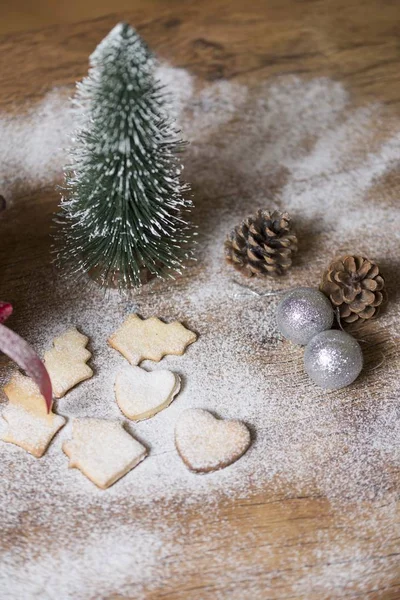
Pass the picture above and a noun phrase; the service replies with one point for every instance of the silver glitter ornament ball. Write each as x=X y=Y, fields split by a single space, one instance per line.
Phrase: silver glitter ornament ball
x=302 y=313
x=333 y=359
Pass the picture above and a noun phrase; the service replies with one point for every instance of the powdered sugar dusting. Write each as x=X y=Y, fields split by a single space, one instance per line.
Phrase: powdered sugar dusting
x=114 y=560
x=292 y=144
x=32 y=144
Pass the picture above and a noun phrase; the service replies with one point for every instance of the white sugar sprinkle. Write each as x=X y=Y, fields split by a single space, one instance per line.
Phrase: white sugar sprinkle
x=32 y=144
x=292 y=144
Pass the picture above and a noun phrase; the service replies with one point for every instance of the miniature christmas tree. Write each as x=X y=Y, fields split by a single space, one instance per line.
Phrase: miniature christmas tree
x=124 y=204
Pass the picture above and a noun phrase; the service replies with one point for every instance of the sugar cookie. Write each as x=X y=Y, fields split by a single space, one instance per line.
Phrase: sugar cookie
x=29 y=425
x=66 y=361
x=103 y=450
x=206 y=444
x=141 y=395
x=140 y=339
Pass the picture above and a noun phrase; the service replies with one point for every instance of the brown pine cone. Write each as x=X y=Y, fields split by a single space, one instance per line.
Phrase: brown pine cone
x=354 y=284
x=263 y=244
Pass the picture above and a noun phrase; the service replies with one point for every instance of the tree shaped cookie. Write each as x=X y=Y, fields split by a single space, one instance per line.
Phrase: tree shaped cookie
x=206 y=444
x=141 y=395
x=29 y=425
x=66 y=361
x=103 y=450
x=140 y=339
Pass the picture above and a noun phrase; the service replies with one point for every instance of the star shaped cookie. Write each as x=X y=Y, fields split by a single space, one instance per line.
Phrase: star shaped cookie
x=28 y=423
x=140 y=339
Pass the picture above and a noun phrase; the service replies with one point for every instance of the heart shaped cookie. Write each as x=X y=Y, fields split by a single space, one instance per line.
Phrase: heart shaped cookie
x=206 y=443
x=141 y=394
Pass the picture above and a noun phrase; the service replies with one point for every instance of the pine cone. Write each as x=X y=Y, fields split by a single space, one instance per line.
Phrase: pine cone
x=354 y=284
x=263 y=244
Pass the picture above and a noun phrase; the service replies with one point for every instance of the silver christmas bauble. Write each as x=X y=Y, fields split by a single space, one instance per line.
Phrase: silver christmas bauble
x=333 y=359
x=302 y=313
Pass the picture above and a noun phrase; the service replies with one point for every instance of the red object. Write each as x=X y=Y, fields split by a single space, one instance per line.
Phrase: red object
x=5 y=311
x=20 y=351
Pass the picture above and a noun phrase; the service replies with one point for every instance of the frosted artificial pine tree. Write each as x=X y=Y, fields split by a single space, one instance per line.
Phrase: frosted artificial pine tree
x=124 y=204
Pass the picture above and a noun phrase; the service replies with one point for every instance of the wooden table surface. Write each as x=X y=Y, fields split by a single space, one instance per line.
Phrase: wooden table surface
x=353 y=41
